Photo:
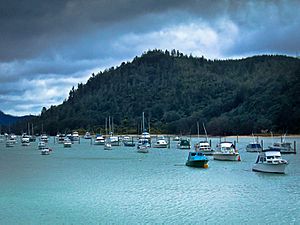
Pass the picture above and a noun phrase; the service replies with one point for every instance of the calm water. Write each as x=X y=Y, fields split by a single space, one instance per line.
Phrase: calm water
x=87 y=185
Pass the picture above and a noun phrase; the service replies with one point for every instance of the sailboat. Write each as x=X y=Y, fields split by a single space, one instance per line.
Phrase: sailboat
x=203 y=146
x=143 y=144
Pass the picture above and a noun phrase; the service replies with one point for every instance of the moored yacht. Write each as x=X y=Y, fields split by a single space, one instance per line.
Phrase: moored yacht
x=67 y=143
x=100 y=140
x=143 y=145
x=161 y=142
x=226 y=151
x=184 y=143
x=204 y=147
x=253 y=147
x=87 y=135
x=283 y=147
x=270 y=161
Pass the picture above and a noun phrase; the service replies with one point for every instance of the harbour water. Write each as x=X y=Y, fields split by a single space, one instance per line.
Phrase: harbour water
x=86 y=185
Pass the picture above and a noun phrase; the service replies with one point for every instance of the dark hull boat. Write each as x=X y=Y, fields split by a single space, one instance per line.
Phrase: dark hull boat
x=197 y=159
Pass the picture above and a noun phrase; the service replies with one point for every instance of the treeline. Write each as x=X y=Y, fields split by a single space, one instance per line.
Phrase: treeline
x=176 y=91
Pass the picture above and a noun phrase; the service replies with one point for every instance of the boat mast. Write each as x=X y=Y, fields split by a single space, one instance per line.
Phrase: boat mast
x=205 y=131
x=198 y=129
x=143 y=122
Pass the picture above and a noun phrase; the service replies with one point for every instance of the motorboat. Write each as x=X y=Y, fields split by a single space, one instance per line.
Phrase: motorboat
x=61 y=138
x=44 y=138
x=143 y=145
x=254 y=147
x=270 y=161
x=128 y=141
x=197 y=159
x=45 y=151
x=75 y=136
x=184 y=143
x=25 y=140
x=100 y=140
x=41 y=145
x=114 y=140
x=176 y=138
x=10 y=143
x=226 y=151
x=161 y=142
x=283 y=147
x=87 y=135
x=204 y=147
x=67 y=143
x=107 y=145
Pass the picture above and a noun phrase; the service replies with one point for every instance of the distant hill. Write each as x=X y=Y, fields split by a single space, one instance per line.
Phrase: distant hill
x=6 y=119
x=176 y=91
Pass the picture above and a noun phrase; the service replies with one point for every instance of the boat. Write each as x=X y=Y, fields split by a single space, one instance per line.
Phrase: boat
x=107 y=145
x=204 y=148
x=128 y=141
x=197 y=159
x=176 y=138
x=44 y=138
x=10 y=143
x=254 y=147
x=87 y=135
x=270 y=161
x=67 y=143
x=184 y=143
x=114 y=140
x=143 y=145
x=25 y=140
x=61 y=138
x=100 y=140
x=161 y=142
x=75 y=136
x=41 y=145
x=283 y=147
x=226 y=151
x=45 y=151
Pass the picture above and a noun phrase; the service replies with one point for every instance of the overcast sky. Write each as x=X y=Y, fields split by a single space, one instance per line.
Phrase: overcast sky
x=46 y=47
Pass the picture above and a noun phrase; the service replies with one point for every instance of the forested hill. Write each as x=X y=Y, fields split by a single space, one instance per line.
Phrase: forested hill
x=176 y=91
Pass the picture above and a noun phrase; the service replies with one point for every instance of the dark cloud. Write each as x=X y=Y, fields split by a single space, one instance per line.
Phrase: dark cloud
x=59 y=43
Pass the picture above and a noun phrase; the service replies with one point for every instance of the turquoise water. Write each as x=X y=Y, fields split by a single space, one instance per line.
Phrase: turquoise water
x=87 y=185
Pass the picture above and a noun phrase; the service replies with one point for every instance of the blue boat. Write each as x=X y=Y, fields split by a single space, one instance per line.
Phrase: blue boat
x=197 y=159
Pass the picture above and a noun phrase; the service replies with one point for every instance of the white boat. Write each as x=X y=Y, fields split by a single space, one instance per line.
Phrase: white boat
x=67 y=143
x=226 y=151
x=204 y=147
x=161 y=142
x=41 y=145
x=270 y=161
x=143 y=145
x=100 y=140
x=61 y=138
x=253 y=147
x=25 y=141
x=45 y=151
x=10 y=143
x=283 y=147
x=114 y=140
x=87 y=135
x=177 y=138
x=75 y=136
x=44 y=138
x=107 y=145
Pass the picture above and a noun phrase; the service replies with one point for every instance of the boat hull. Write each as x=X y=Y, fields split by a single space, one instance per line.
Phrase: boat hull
x=269 y=168
x=207 y=152
x=226 y=156
x=197 y=163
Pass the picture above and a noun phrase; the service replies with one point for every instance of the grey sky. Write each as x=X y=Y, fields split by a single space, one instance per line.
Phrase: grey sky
x=46 y=47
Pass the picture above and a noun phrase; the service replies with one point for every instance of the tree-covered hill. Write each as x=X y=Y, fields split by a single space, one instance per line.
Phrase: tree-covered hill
x=176 y=91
